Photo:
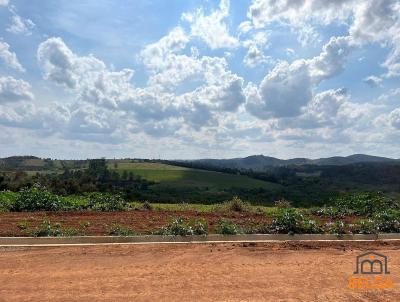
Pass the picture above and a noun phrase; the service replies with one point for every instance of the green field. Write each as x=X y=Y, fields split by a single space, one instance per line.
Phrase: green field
x=167 y=175
x=160 y=182
x=207 y=208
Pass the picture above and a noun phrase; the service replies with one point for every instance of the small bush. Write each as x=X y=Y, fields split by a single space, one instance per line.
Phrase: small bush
x=365 y=226
x=387 y=221
x=36 y=198
x=24 y=225
x=178 y=227
x=257 y=228
x=120 y=230
x=7 y=200
x=227 y=228
x=288 y=221
x=147 y=206
x=283 y=203
x=311 y=227
x=200 y=227
x=337 y=228
x=331 y=212
x=47 y=229
x=106 y=202
x=235 y=205
x=84 y=225
x=365 y=204
x=74 y=203
x=291 y=221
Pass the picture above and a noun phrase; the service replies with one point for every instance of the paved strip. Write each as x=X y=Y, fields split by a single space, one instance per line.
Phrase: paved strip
x=191 y=242
x=118 y=240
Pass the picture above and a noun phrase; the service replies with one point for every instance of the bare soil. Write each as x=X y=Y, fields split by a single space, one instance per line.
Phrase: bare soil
x=143 y=222
x=287 y=271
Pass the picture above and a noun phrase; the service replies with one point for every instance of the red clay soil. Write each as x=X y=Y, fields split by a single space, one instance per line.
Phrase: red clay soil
x=143 y=222
x=288 y=271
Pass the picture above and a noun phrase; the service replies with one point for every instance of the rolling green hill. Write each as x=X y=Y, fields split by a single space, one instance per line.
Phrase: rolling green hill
x=198 y=182
x=180 y=177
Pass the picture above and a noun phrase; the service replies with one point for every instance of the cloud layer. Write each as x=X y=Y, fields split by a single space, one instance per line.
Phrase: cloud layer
x=212 y=82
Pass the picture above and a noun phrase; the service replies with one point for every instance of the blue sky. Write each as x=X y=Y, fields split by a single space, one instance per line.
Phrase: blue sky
x=194 y=79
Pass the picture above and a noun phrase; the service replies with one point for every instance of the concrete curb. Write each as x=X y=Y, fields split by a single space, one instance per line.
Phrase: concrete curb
x=90 y=240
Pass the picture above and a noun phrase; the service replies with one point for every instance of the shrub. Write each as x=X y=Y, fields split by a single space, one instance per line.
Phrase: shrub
x=387 y=221
x=257 y=228
x=36 y=198
x=288 y=221
x=365 y=226
x=227 y=228
x=178 y=227
x=310 y=227
x=331 y=212
x=365 y=204
x=147 y=206
x=120 y=230
x=24 y=225
x=74 y=203
x=283 y=203
x=7 y=200
x=235 y=205
x=47 y=229
x=106 y=202
x=84 y=225
x=338 y=227
x=200 y=227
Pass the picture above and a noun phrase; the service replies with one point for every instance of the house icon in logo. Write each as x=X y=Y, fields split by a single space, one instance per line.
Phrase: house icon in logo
x=371 y=263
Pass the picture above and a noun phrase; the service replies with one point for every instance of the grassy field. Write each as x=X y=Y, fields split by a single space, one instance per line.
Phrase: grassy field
x=203 y=208
x=166 y=183
x=167 y=175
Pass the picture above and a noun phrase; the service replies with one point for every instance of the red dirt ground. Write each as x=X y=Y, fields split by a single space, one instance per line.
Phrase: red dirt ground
x=287 y=271
x=140 y=221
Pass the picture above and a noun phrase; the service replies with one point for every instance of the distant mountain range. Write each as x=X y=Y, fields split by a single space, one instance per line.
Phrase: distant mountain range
x=254 y=162
x=261 y=162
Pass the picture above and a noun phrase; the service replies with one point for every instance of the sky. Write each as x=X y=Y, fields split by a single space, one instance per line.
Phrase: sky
x=185 y=79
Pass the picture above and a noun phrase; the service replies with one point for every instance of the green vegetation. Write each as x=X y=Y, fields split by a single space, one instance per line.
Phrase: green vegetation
x=7 y=200
x=291 y=221
x=387 y=221
x=302 y=185
x=204 y=208
x=47 y=229
x=366 y=226
x=337 y=227
x=166 y=175
x=36 y=198
x=283 y=203
x=180 y=227
x=309 y=184
x=120 y=230
x=128 y=185
x=106 y=202
x=235 y=205
x=147 y=206
x=227 y=228
x=364 y=204
x=138 y=180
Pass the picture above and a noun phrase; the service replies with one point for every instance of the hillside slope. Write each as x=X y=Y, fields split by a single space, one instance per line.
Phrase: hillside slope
x=261 y=162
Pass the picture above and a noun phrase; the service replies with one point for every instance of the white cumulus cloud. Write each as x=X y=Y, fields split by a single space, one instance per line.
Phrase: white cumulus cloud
x=19 y=25
x=212 y=28
x=13 y=90
x=373 y=81
x=289 y=87
x=9 y=57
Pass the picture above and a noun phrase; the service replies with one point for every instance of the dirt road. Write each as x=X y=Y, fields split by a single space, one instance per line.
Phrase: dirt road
x=192 y=272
